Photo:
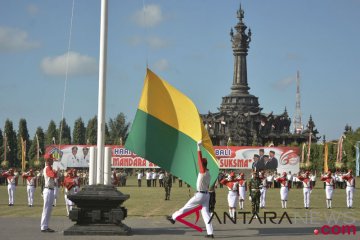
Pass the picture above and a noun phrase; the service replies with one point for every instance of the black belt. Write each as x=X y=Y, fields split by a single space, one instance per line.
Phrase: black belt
x=49 y=188
x=202 y=192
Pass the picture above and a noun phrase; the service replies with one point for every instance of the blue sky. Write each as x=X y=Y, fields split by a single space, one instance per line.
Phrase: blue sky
x=188 y=44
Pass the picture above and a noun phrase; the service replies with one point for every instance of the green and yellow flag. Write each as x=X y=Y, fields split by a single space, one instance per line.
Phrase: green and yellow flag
x=166 y=129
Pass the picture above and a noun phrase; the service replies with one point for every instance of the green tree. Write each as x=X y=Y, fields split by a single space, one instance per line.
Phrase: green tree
x=64 y=132
x=107 y=135
x=1 y=146
x=32 y=151
x=91 y=131
x=11 y=152
x=118 y=129
x=79 y=132
x=51 y=134
x=23 y=134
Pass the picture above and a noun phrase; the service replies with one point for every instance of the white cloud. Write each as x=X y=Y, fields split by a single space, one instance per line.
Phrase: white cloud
x=77 y=65
x=149 y=16
x=152 y=42
x=284 y=83
x=293 y=56
x=32 y=9
x=135 y=40
x=12 y=39
x=156 y=42
x=161 y=65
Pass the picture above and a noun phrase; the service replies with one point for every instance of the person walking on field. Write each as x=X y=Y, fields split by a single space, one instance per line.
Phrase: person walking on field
x=48 y=194
x=201 y=196
x=167 y=182
x=255 y=185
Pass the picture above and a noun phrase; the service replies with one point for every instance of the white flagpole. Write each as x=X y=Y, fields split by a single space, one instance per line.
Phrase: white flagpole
x=102 y=93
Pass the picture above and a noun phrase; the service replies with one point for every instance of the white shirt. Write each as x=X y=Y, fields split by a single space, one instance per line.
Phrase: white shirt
x=49 y=182
x=148 y=175
x=139 y=175
x=203 y=181
x=161 y=176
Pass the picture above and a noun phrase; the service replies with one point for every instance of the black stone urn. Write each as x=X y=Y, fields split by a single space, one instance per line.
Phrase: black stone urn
x=98 y=211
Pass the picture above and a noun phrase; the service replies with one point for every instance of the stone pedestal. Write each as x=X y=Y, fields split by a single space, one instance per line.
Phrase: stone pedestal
x=98 y=212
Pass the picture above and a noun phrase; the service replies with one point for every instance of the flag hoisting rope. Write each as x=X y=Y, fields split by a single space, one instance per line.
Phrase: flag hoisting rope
x=66 y=73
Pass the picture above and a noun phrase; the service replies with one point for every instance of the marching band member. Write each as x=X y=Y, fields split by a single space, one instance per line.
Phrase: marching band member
x=48 y=194
x=31 y=180
x=71 y=184
x=284 y=189
x=307 y=188
x=233 y=195
x=201 y=196
x=350 y=188
x=12 y=180
x=329 y=188
x=242 y=190
x=263 y=190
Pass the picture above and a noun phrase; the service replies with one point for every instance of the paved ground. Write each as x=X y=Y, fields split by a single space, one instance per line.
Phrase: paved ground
x=15 y=228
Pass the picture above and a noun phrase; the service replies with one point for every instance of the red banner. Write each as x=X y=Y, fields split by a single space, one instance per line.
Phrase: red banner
x=229 y=157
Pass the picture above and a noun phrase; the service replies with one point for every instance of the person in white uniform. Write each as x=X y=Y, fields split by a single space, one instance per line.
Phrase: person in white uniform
x=48 y=193
x=233 y=195
x=242 y=190
x=284 y=189
x=12 y=181
x=263 y=190
x=201 y=196
x=31 y=180
x=350 y=188
x=329 y=188
x=307 y=188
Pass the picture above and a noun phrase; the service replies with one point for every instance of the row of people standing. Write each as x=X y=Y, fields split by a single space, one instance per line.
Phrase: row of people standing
x=258 y=186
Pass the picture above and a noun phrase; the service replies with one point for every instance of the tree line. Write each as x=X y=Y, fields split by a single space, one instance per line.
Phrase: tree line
x=116 y=131
x=14 y=143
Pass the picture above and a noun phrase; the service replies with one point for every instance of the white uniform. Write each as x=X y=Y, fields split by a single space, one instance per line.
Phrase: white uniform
x=263 y=191
x=284 y=190
x=233 y=196
x=329 y=189
x=201 y=197
x=30 y=189
x=350 y=188
x=242 y=192
x=69 y=204
x=48 y=195
x=11 y=180
x=306 y=190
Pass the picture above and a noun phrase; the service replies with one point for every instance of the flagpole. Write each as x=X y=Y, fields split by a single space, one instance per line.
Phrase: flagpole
x=357 y=159
x=37 y=148
x=102 y=93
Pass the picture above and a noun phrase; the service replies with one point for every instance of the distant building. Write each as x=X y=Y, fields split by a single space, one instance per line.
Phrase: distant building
x=240 y=120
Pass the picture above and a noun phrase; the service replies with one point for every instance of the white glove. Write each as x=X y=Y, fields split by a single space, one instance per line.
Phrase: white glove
x=250 y=198
x=199 y=143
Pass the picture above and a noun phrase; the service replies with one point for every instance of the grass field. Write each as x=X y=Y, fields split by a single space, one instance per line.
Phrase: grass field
x=147 y=202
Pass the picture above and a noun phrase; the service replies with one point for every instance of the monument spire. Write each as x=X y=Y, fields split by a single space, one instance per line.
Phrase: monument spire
x=240 y=44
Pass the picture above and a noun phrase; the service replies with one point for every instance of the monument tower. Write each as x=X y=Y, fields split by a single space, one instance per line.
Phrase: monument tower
x=240 y=121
